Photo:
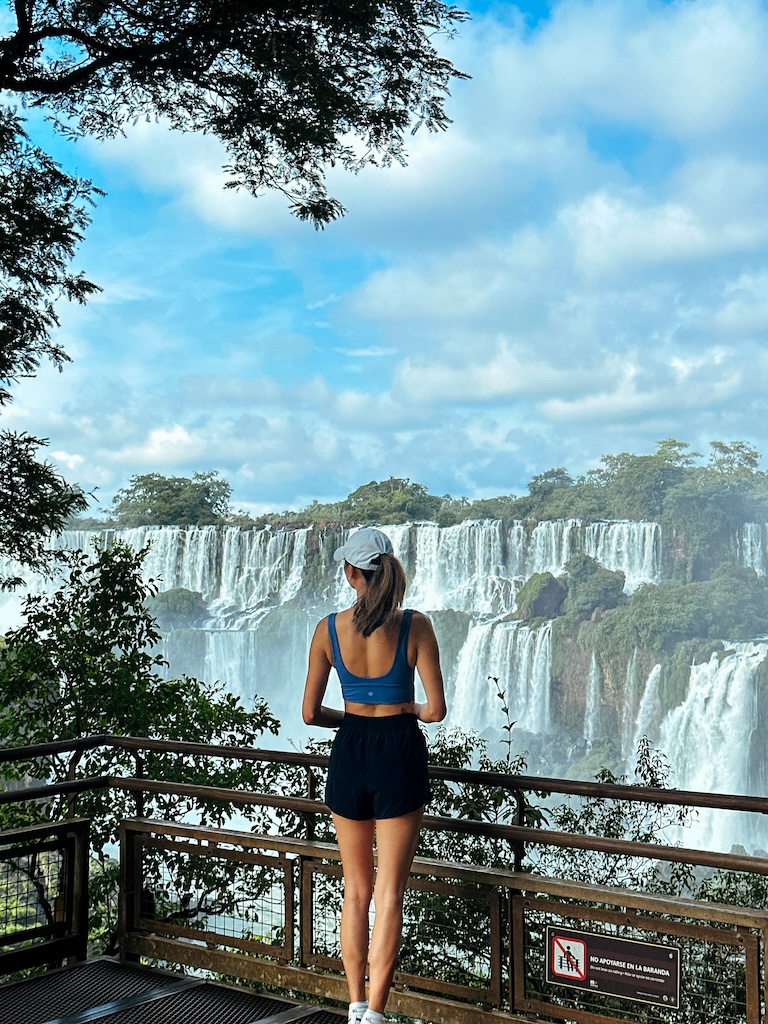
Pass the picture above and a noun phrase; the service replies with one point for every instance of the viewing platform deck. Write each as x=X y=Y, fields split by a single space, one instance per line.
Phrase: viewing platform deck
x=253 y=916
x=115 y=992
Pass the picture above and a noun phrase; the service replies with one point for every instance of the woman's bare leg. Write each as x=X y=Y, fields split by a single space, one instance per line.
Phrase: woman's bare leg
x=396 y=841
x=356 y=848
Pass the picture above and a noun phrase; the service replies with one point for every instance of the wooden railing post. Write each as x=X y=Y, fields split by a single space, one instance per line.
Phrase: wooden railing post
x=139 y=798
x=312 y=795
x=71 y=776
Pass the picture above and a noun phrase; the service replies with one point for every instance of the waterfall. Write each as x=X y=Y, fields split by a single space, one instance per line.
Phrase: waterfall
x=629 y=709
x=714 y=737
x=647 y=721
x=633 y=548
x=521 y=659
x=462 y=567
x=266 y=588
x=751 y=547
x=552 y=544
x=235 y=570
x=593 y=716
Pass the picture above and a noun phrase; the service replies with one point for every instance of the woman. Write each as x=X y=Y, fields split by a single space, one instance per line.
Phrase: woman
x=377 y=779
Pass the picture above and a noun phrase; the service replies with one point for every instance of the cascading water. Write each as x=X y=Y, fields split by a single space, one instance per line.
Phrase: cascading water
x=521 y=659
x=646 y=722
x=752 y=547
x=633 y=548
x=715 y=743
x=593 y=713
x=629 y=709
x=266 y=589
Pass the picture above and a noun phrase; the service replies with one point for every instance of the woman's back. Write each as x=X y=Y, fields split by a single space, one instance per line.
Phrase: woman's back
x=370 y=656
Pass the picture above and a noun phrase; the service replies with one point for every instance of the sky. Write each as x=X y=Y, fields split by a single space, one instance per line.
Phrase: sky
x=577 y=266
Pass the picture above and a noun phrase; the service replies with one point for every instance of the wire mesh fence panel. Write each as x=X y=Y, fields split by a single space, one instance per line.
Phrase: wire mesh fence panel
x=327 y=895
x=43 y=880
x=32 y=887
x=586 y=964
x=225 y=895
x=451 y=937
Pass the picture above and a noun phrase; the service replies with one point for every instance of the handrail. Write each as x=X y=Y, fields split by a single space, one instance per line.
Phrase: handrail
x=521 y=881
x=532 y=783
x=513 y=834
x=14 y=796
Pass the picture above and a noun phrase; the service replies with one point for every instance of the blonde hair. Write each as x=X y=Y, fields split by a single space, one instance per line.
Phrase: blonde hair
x=383 y=594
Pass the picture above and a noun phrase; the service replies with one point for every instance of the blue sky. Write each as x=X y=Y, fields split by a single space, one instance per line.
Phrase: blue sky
x=578 y=266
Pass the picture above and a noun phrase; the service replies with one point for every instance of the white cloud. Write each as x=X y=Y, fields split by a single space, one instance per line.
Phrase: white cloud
x=164 y=446
x=505 y=373
x=578 y=264
x=372 y=352
x=611 y=233
x=72 y=462
x=744 y=308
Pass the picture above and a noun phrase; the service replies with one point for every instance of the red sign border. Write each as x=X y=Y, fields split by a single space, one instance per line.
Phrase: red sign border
x=572 y=977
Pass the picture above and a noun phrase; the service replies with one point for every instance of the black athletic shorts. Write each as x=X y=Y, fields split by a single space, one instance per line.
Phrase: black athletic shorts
x=378 y=768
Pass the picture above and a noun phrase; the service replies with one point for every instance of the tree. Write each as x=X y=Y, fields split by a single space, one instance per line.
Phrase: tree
x=737 y=460
x=151 y=499
x=290 y=88
x=541 y=486
x=34 y=501
x=85 y=662
x=676 y=453
x=395 y=500
x=43 y=214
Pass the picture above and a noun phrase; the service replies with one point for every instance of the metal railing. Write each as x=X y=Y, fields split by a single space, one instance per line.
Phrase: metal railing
x=479 y=942
x=43 y=895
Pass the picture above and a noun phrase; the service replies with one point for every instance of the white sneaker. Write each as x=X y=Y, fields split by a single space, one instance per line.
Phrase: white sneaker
x=372 y=1017
x=356 y=1011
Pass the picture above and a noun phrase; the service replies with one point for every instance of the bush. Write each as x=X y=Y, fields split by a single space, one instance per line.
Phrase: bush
x=591 y=586
x=540 y=597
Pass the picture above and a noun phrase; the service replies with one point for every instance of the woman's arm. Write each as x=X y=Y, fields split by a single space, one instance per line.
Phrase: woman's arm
x=428 y=667
x=313 y=711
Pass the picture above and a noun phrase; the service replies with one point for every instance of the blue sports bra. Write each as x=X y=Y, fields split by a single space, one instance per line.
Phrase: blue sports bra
x=396 y=687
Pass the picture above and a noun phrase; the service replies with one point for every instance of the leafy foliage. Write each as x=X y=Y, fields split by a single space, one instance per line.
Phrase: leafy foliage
x=85 y=663
x=395 y=500
x=591 y=586
x=289 y=89
x=34 y=502
x=155 y=500
x=620 y=819
x=733 y=604
x=541 y=596
x=43 y=214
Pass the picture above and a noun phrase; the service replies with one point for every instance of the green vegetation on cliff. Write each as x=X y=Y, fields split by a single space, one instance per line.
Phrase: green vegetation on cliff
x=699 y=504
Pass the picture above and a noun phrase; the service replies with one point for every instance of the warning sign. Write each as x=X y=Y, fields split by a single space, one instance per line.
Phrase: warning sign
x=644 y=972
x=569 y=958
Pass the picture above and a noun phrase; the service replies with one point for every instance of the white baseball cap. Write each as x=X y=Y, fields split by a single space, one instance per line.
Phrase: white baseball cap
x=364 y=547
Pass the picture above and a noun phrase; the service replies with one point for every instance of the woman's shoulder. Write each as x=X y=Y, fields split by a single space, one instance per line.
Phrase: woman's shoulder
x=420 y=622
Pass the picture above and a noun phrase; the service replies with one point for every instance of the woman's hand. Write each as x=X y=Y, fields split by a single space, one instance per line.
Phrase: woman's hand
x=426 y=714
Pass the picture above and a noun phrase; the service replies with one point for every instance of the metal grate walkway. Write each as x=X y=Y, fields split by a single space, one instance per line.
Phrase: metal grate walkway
x=119 y=993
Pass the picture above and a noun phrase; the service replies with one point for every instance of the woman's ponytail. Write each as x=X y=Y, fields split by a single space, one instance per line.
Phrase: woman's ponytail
x=383 y=594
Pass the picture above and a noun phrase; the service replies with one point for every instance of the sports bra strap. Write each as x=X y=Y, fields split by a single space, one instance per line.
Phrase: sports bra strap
x=394 y=687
